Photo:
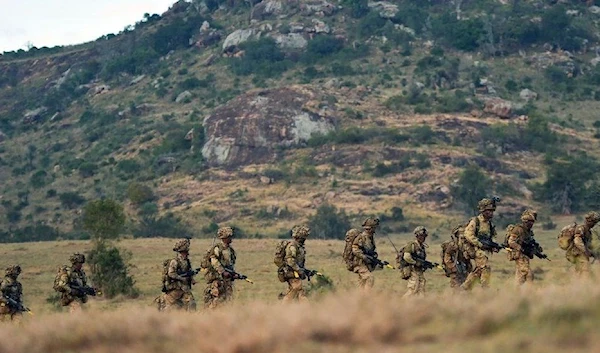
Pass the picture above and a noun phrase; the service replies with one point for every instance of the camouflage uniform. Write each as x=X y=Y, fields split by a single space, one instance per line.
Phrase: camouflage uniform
x=456 y=265
x=364 y=247
x=295 y=258
x=479 y=227
x=517 y=237
x=219 y=275
x=11 y=288
x=178 y=284
x=413 y=250
x=579 y=253
x=71 y=283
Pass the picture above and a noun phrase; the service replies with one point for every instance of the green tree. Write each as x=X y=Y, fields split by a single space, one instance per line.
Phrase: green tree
x=104 y=219
x=139 y=194
x=329 y=223
x=472 y=186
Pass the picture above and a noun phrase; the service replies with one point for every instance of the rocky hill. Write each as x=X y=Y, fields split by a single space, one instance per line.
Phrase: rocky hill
x=258 y=113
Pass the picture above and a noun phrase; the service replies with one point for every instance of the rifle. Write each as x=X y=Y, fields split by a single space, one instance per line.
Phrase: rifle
x=378 y=262
x=427 y=265
x=236 y=275
x=13 y=304
x=191 y=273
x=311 y=273
x=532 y=248
x=490 y=245
x=86 y=290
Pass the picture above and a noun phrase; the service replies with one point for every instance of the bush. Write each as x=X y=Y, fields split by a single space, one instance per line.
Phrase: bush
x=109 y=271
x=262 y=58
x=471 y=187
x=139 y=194
x=329 y=223
x=38 y=179
x=104 y=219
x=70 y=199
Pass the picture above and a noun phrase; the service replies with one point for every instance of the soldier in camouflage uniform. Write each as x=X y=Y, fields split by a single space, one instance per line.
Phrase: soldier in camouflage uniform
x=294 y=271
x=414 y=254
x=11 y=288
x=364 y=252
x=179 y=281
x=479 y=227
x=579 y=253
x=517 y=239
x=221 y=271
x=73 y=286
x=456 y=265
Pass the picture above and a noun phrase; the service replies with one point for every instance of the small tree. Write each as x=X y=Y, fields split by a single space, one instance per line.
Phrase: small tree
x=329 y=223
x=472 y=186
x=105 y=219
x=139 y=194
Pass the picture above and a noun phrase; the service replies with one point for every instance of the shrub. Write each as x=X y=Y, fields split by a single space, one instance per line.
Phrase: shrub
x=109 y=271
x=472 y=186
x=329 y=223
x=139 y=194
x=262 y=58
x=104 y=219
x=38 y=179
x=71 y=199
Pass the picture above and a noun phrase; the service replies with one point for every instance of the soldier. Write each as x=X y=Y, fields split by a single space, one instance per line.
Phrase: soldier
x=519 y=239
x=456 y=265
x=579 y=253
x=414 y=255
x=293 y=270
x=11 y=302
x=365 y=254
x=479 y=227
x=72 y=284
x=179 y=280
x=221 y=270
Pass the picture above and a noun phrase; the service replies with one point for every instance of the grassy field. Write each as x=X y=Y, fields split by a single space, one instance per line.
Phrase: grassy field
x=557 y=313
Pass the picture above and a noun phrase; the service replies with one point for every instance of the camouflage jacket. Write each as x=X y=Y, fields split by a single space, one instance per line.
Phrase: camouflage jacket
x=414 y=250
x=72 y=279
x=477 y=228
x=295 y=255
x=176 y=278
x=362 y=247
x=221 y=258
x=581 y=241
x=516 y=239
x=11 y=288
x=452 y=255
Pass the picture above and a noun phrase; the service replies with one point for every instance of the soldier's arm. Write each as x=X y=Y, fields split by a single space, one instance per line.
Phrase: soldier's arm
x=450 y=256
x=290 y=257
x=4 y=287
x=513 y=241
x=357 y=248
x=470 y=235
x=172 y=272
x=215 y=261
x=579 y=243
x=407 y=256
x=63 y=284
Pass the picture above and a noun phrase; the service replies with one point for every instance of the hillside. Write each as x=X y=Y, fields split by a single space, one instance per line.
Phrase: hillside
x=258 y=113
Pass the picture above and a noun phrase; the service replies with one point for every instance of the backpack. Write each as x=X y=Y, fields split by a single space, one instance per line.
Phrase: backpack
x=279 y=258
x=565 y=238
x=165 y=277
x=62 y=270
x=444 y=246
x=402 y=265
x=347 y=255
x=509 y=230
x=205 y=262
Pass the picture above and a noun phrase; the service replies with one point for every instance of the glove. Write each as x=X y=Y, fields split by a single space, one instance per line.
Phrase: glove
x=226 y=274
x=302 y=273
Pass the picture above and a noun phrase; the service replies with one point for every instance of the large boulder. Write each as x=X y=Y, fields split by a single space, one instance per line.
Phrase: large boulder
x=238 y=37
x=500 y=108
x=317 y=7
x=384 y=8
x=252 y=127
x=266 y=9
x=294 y=41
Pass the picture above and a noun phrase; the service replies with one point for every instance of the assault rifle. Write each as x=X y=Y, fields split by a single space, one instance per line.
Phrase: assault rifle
x=427 y=265
x=87 y=290
x=532 y=248
x=15 y=305
x=191 y=273
x=490 y=245
x=236 y=275
x=376 y=261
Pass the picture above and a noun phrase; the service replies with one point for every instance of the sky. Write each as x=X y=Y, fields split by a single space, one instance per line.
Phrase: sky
x=64 y=22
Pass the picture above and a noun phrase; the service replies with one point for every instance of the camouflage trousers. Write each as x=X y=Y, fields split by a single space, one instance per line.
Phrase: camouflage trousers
x=178 y=299
x=7 y=314
x=295 y=291
x=366 y=280
x=523 y=271
x=456 y=279
x=582 y=264
x=481 y=271
x=217 y=293
x=416 y=283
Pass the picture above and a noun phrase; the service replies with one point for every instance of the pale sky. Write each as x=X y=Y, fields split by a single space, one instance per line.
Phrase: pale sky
x=64 y=22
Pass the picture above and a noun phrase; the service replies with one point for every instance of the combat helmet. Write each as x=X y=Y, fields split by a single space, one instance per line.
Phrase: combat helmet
x=420 y=230
x=371 y=223
x=487 y=204
x=592 y=217
x=225 y=232
x=301 y=231
x=182 y=245
x=529 y=215
x=13 y=270
x=77 y=258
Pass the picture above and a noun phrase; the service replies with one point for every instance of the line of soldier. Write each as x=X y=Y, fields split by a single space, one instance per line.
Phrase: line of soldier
x=464 y=260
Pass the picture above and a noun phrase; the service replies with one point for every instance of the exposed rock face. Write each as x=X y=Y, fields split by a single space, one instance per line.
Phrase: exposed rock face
x=238 y=37
x=317 y=7
x=499 y=107
x=384 y=8
x=291 y=41
x=528 y=95
x=266 y=9
x=250 y=128
x=34 y=116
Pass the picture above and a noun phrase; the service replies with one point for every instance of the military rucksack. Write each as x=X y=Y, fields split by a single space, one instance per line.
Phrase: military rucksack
x=445 y=245
x=62 y=270
x=347 y=255
x=279 y=258
x=205 y=262
x=401 y=264
x=509 y=230
x=165 y=275
x=565 y=238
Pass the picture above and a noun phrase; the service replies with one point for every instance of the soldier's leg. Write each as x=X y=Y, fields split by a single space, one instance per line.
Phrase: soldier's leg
x=471 y=277
x=482 y=262
x=189 y=303
x=160 y=302
x=211 y=295
x=365 y=278
x=412 y=283
x=422 y=283
x=173 y=300
x=17 y=317
x=295 y=291
x=228 y=290
x=522 y=269
x=455 y=281
x=75 y=307
x=582 y=266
